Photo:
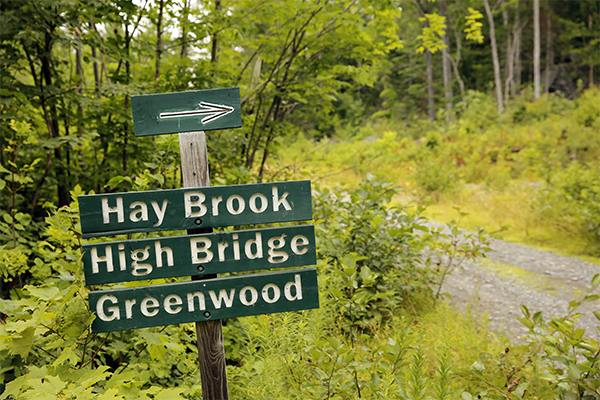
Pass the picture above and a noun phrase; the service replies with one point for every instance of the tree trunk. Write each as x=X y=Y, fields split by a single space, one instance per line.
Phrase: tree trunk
x=185 y=11
x=591 y=54
x=215 y=39
x=509 y=60
x=516 y=86
x=126 y=100
x=495 y=60
x=536 y=49
x=447 y=73
x=97 y=77
x=430 y=91
x=456 y=61
x=161 y=5
x=549 y=56
x=53 y=130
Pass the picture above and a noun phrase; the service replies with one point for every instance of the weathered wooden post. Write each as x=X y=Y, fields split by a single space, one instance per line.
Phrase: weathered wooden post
x=209 y=334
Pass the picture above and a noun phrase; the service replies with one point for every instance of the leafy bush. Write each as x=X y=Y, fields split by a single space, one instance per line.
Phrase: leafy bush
x=571 y=199
x=373 y=249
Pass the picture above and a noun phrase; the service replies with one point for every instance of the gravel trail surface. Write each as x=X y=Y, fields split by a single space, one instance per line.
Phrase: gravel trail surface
x=512 y=275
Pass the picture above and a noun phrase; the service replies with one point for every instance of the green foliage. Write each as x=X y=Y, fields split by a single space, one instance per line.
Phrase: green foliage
x=374 y=248
x=473 y=29
x=572 y=200
x=434 y=29
x=565 y=362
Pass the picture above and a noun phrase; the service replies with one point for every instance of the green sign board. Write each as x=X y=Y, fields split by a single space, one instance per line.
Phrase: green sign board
x=211 y=299
x=178 y=209
x=199 y=110
x=212 y=253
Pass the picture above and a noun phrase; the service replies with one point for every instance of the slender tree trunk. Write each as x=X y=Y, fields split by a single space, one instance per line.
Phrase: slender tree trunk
x=447 y=73
x=126 y=99
x=185 y=10
x=97 y=77
x=516 y=87
x=456 y=61
x=46 y=72
x=79 y=72
x=509 y=63
x=161 y=5
x=495 y=60
x=536 y=49
x=215 y=40
x=549 y=55
x=430 y=91
x=591 y=54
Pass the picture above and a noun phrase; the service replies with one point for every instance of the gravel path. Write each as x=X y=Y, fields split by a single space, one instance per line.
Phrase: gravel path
x=512 y=275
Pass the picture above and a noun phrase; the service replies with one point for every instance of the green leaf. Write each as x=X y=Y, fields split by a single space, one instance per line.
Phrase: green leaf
x=591 y=297
x=43 y=292
x=525 y=311
x=21 y=345
x=526 y=322
x=477 y=366
x=596 y=280
x=170 y=394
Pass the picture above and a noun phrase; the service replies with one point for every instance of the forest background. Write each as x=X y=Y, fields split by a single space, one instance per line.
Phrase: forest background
x=416 y=106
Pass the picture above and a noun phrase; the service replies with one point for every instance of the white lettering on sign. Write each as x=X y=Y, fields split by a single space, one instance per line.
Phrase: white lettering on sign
x=170 y=301
x=113 y=312
x=107 y=306
x=235 y=204
x=147 y=304
x=139 y=211
x=192 y=201
x=228 y=300
x=280 y=201
x=107 y=210
x=253 y=248
x=244 y=296
x=264 y=203
x=201 y=302
x=107 y=258
x=137 y=256
x=129 y=308
x=276 y=293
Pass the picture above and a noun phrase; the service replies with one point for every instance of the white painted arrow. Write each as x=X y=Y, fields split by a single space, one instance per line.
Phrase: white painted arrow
x=212 y=112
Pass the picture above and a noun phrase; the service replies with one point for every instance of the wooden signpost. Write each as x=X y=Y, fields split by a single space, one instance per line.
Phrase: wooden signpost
x=201 y=254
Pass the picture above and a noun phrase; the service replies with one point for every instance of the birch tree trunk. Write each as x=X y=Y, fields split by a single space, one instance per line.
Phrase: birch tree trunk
x=549 y=55
x=536 y=49
x=447 y=74
x=495 y=60
x=516 y=85
x=509 y=58
x=430 y=91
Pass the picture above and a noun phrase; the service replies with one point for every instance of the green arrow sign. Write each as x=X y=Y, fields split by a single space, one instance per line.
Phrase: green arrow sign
x=219 y=298
x=199 y=110
x=178 y=209
x=212 y=253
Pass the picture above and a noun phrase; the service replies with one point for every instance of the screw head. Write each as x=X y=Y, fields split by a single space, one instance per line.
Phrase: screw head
x=200 y=268
x=198 y=221
x=206 y=314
